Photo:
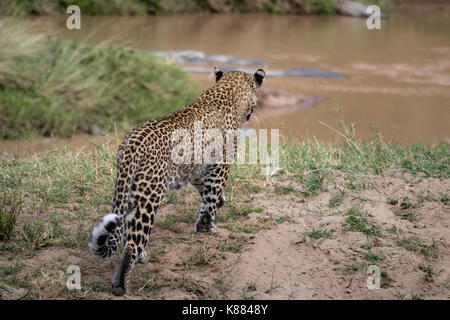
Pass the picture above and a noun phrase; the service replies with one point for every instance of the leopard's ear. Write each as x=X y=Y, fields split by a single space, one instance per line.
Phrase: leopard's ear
x=259 y=76
x=218 y=74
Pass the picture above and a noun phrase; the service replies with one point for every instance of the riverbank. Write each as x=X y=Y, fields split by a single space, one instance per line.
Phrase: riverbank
x=405 y=99
x=159 y=7
x=308 y=232
x=54 y=87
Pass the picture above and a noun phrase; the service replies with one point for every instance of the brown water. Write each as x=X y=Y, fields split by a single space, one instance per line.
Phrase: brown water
x=398 y=77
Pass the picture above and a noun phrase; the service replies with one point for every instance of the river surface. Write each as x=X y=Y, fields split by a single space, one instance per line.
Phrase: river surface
x=398 y=78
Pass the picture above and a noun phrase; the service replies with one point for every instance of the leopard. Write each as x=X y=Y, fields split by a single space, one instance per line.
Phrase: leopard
x=146 y=169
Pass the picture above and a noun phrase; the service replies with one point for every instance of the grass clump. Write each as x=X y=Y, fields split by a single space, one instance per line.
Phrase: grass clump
x=59 y=87
x=234 y=244
x=36 y=234
x=357 y=221
x=444 y=198
x=348 y=269
x=9 y=211
x=200 y=257
x=407 y=214
x=336 y=199
x=10 y=276
x=236 y=211
x=386 y=281
x=171 y=221
x=405 y=209
x=415 y=244
x=373 y=257
x=316 y=234
x=428 y=272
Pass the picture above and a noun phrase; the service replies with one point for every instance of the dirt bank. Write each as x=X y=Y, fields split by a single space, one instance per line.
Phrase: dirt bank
x=273 y=244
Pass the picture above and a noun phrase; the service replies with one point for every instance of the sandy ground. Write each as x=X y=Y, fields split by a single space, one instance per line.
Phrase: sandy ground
x=268 y=255
x=308 y=271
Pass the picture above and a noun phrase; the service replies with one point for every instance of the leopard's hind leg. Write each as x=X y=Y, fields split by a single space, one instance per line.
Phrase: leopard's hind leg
x=211 y=191
x=146 y=195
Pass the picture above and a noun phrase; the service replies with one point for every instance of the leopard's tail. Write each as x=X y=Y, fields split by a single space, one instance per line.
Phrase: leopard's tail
x=106 y=236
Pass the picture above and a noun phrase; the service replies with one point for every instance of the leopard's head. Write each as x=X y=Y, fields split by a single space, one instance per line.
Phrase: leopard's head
x=244 y=87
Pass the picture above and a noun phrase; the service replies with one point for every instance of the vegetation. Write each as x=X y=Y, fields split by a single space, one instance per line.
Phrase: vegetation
x=51 y=201
x=9 y=211
x=59 y=87
x=357 y=221
x=316 y=234
x=131 y=7
x=66 y=183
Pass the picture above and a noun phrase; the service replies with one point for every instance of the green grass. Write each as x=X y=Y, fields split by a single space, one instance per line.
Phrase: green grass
x=36 y=234
x=430 y=197
x=336 y=199
x=62 y=193
x=405 y=208
x=9 y=211
x=200 y=257
x=372 y=156
x=131 y=7
x=171 y=196
x=417 y=296
x=316 y=234
x=234 y=243
x=282 y=219
x=428 y=271
x=100 y=7
x=236 y=211
x=373 y=257
x=320 y=6
x=444 y=198
x=67 y=190
x=249 y=287
x=348 y=269
x=407 y=214
x=285 y=190
x=357 y=221
x=171 y=221
x=415 y=244
x=312 y=164
x=9 y=275
x=97 y=286
x=58 y=87
x=386 y=281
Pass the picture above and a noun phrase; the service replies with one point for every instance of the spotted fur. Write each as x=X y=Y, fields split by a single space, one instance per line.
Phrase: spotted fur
x=145 y=170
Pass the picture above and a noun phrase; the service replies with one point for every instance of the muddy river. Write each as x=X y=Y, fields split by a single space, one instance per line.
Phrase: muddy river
x=397 y=78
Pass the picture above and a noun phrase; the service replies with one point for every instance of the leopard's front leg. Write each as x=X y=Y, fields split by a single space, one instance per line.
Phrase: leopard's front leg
x=211 y=192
